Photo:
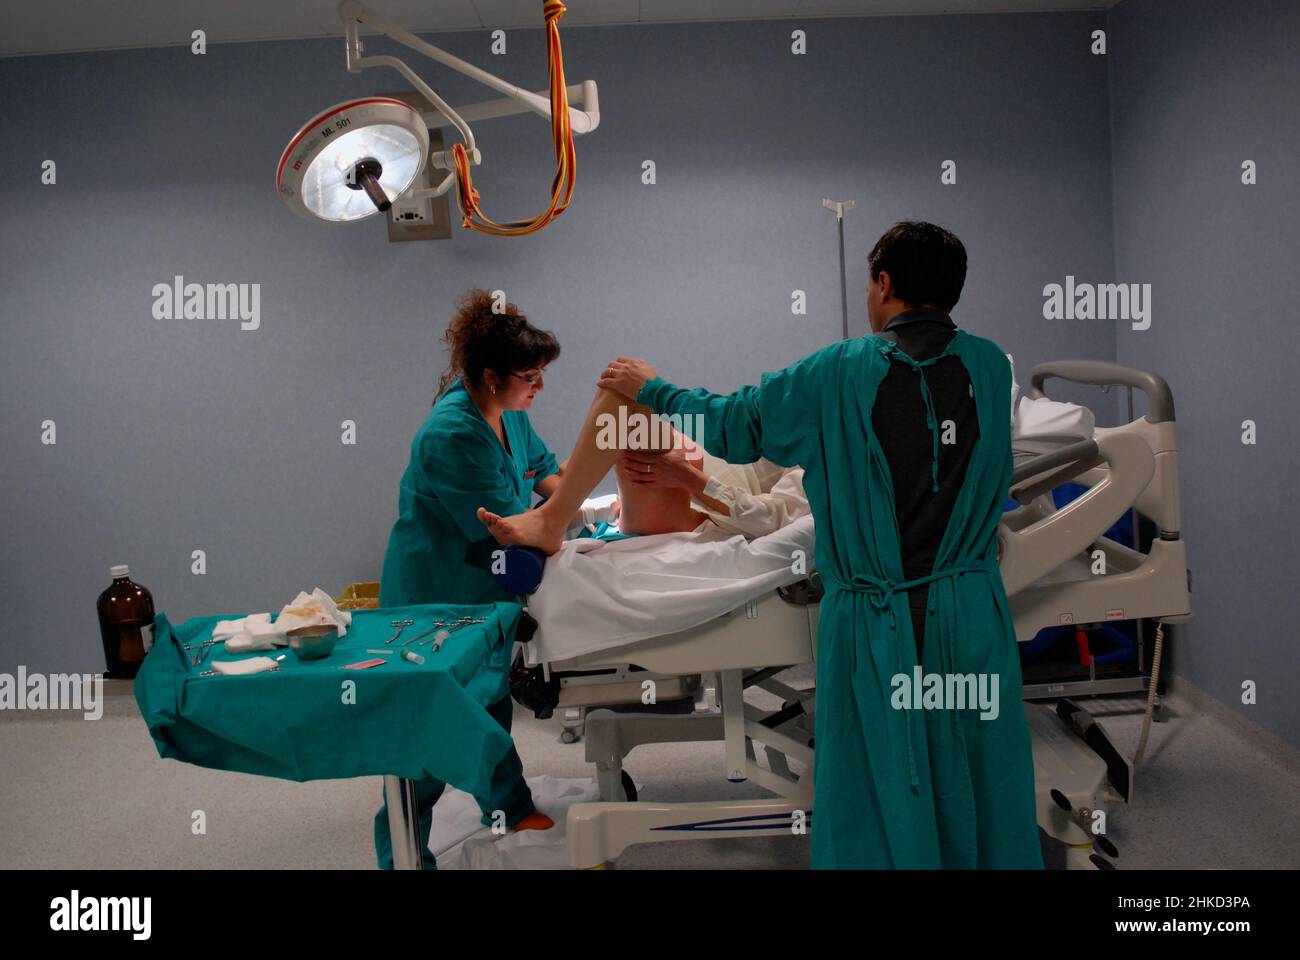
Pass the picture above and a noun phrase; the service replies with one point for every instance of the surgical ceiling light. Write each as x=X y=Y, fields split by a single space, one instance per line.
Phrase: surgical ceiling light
x=352 y=160
x=356 y=158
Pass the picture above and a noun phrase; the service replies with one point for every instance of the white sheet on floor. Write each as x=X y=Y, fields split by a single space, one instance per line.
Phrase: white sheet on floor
x=595 y=596
x=461 y=842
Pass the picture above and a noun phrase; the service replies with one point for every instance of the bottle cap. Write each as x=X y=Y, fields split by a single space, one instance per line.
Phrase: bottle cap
x=119 y=570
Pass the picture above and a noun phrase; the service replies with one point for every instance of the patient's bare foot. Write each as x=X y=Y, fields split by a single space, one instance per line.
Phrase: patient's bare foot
x=529 y=529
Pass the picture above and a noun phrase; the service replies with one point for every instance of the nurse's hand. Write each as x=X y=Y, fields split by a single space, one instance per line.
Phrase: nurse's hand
x=626 y=376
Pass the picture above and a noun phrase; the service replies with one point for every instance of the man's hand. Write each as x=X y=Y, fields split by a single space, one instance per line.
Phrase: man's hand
x=626 y=376
x=669 y=469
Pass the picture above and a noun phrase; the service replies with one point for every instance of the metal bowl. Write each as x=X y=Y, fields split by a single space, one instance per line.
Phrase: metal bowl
x=315 y=642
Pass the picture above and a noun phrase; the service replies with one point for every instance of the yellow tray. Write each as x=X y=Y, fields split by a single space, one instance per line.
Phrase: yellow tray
x=359 y=596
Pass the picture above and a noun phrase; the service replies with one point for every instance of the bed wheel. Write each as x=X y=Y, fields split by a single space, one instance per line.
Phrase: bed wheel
x=568 y=736
x=629 y=787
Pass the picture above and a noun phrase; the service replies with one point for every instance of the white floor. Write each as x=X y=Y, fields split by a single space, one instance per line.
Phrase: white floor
x=1214 y=792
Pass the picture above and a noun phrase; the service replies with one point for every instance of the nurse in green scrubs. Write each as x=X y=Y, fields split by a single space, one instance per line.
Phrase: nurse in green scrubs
x=476 y=447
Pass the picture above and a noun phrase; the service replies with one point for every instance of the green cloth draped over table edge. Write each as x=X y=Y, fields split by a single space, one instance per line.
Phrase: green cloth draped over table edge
x=410 y=720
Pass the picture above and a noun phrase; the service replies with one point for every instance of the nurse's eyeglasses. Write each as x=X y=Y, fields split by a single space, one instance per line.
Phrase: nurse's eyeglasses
x=530 y=378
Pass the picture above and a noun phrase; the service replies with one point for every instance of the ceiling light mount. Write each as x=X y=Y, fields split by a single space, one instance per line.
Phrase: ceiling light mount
x=357 y=157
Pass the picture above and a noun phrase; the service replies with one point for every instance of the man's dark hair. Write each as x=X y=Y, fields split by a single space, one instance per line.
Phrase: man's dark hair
x=926 y=264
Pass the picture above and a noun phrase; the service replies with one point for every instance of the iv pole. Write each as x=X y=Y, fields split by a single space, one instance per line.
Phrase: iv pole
x=839 y=208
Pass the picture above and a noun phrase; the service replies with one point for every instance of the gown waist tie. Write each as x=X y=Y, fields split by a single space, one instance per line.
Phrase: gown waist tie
x=881 y=593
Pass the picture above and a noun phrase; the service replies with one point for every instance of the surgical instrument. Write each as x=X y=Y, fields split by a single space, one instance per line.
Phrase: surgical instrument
x=201 y=650
x=438 y=624
x=441 y=636
x=400 y=625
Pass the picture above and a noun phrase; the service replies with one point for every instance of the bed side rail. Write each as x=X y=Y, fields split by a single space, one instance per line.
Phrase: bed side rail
x=1160 y=400
x=1064 y=464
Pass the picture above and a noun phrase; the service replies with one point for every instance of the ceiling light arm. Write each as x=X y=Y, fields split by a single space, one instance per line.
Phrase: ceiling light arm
x=517 y=100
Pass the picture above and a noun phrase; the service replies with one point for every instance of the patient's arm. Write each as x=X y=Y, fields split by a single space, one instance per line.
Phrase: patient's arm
x=643 y=509
x=781 y=502
x=753 y=500
x=670 y=469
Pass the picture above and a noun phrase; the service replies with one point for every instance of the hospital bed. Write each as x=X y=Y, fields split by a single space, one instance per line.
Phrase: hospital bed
x=699 y=676
x=1132 y=467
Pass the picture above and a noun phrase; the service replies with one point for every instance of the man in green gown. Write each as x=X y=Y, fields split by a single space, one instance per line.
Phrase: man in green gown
x=905 y=441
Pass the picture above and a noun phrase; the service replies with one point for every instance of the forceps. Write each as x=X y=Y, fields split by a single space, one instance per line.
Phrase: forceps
x=441 y=636
x=439 y=624
x=400 y=625
x=201 y=650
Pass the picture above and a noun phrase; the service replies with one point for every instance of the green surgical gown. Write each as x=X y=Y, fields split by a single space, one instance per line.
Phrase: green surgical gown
x=895 y=788
x=438 y=549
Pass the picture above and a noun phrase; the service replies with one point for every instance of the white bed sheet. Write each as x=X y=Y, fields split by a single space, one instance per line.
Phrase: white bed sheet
x=1042 y=425
x=595 y=596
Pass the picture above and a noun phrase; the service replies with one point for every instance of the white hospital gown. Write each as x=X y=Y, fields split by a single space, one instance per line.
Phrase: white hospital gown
x=760 y=497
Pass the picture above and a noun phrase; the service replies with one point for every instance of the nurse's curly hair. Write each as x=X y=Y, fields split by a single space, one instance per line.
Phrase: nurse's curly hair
x=504 y=342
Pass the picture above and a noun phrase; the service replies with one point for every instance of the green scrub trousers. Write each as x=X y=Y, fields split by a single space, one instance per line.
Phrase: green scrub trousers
x=438 y=550
x=893 y=787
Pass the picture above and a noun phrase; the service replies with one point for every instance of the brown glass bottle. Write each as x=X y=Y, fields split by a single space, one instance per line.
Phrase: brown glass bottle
x=125 y=624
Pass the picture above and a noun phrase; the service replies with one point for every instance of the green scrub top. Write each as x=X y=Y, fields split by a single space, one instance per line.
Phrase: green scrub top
x=902 y=788
x=438 y=551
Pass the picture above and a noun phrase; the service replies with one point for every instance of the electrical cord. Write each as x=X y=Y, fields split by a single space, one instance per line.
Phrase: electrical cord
x=1151 y=692
x=565 y=161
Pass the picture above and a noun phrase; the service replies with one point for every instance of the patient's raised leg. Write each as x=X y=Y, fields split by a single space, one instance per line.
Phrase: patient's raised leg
x=644 y=509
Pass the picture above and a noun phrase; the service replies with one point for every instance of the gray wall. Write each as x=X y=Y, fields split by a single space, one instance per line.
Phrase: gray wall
x=183 y=435
x=1196 y=89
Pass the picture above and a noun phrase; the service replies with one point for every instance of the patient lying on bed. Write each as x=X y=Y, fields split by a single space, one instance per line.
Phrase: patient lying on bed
x=666 y=489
